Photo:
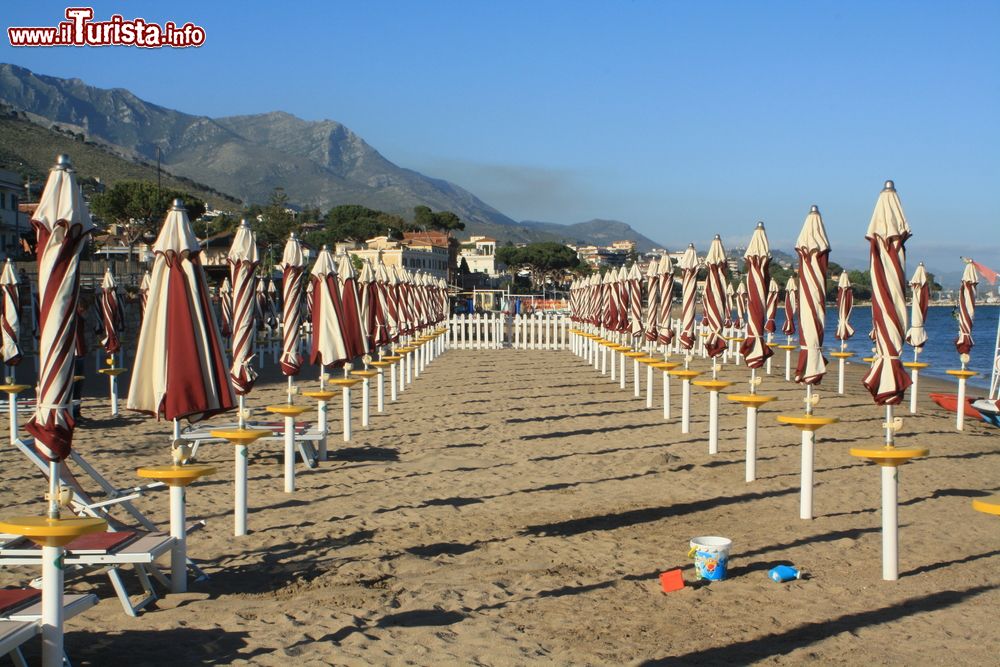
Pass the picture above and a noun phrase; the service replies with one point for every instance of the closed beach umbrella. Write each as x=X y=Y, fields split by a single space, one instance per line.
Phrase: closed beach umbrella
x=112 y=317
x=771 y=307
x=887 y=234
x=143 y=293
x=813 y=250
x=741 y=305
x=916 y=335
x=10 y=307
x=689 y=288
x=226 y=308
x=665 y=273
x=367 y=289
x=350 y=300
x=845 y=304
x=757 y=257
x=387 y=304
x=403 y=306
x=292 y=267
x=243 y=260
x=791 y=306
x=180 y=367
x=62 y=223
x=714 y=303
x=609 y=302
x=966 y=309
x=633 y=286
x=328 y=345
x=652 y=302
x=729 y=320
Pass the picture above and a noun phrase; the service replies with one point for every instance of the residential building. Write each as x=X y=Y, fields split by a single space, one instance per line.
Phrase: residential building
x=12 y=223
x=479 y=253
x=418 y=255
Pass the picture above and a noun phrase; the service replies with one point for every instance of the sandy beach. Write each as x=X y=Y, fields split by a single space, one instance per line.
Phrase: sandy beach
x=516 y=507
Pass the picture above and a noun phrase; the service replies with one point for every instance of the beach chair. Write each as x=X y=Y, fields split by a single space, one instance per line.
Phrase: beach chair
x=305 y=436
x=12 y=635
x=21 y=613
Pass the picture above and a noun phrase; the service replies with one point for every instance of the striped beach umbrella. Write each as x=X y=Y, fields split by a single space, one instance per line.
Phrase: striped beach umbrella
x=243 y=260
x=633 y=287
x=887 y=233
x=112 y=316
x=845 y=304
x=650 y=327
x=292 y=267
x=791 y=306
x=813 y=250
x=966 y=309
x=728 y=319
x=368 y=291
x=920 y=290
x=143 y=294
x=757 y=258
x=350 y=322
x=741 y=305
x=688 y=265
x=308 y=300
x=771 y=307
x=328 y=345
x=609 y=302
x=665 y=275
x=714 y=301
x=61 y=223
x=180 y=366
x=10 y=320
x=226 y=308
x=387 y=304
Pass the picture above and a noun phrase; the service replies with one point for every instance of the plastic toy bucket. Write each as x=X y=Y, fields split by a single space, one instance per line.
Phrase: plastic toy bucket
x=711 y=556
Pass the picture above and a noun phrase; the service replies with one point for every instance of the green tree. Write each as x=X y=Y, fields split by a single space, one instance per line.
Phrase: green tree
x=425 y=218
x=543 y=260
x=272 y=224
x=351 y=222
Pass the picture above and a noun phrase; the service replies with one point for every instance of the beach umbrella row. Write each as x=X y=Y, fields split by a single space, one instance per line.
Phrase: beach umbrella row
x=10 y=321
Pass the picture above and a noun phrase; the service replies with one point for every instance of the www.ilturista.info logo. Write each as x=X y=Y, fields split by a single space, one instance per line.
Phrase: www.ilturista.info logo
x=81 y=30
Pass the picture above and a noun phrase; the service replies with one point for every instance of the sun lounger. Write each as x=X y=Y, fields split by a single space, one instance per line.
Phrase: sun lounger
x=305 y=436
x=21 y=613
x=12 y=635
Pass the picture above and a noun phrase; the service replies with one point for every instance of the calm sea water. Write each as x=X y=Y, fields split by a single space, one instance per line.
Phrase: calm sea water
x=939 y=352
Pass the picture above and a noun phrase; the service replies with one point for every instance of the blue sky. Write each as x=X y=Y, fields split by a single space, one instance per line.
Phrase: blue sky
x=683 y=119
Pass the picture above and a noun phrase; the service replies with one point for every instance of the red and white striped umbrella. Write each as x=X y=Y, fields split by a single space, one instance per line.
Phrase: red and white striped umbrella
x=665 y=275
x=688 y=265
x=755 y=349
x=328 y=345
x=274 y=312
x=418 y=299
x=350 y=322
x=771 y=307
x=887 y=234
x=180 y=365
x=916 y=335
x=226 y=308
x=112 y=316
x=387 y=304
x=368 y=290
x=400 y=293
x=813 y=249
x=243 y=260
x=143 y=294
x=966 y=309
x=714 y=301
x=10 y=319
x=609 y=301
x=741 y=305
x=652 y=302
x=845 y=304
x=633 y=288
x=791 y=306
x=62 y=223
x=308 y=301
x=730 y=303
x=292 y=267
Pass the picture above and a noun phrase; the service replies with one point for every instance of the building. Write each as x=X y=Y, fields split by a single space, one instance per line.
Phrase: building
x=438 y=239
x=12 y=223
x=479 y=253
x=413 y=255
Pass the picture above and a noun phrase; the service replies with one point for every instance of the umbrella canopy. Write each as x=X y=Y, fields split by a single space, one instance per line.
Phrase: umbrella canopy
x=887 y=234
x=714 y=302
x=226 y=306
x=180 y=366
x=243 y=260
x=916 y=335
x=665 y=275
x=328 y=345
x=387 y=302
x=689 y=288
x=62 y=223
x=791 y=306
x=652 y=302
x=143 y=294
x=354 y=337
x=813 y=250
x=966 y=309
x=368 y=290
x=292 y=267
x=633 y=285
x=771 y=307
x=755 y=349
x=845 y=304
x=10 y=307
x=112 y=316
x=728 y=320
x=741 y=302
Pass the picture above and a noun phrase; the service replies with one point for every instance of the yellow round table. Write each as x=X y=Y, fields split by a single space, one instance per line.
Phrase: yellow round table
x=808 y=425
x=289 y=412
x=47 y=532
x=987 y=505
x=962 y=375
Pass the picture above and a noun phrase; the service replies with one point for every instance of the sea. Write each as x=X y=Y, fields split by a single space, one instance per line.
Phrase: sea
x=939 y=351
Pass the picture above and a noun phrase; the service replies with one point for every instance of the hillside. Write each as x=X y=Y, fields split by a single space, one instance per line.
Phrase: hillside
x=594 y=232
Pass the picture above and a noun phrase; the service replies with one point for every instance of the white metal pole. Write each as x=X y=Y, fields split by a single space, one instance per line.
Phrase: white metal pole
x=409 y=367
x=380 y=382
x=52 y=606
x=914 y=375
x=713 y=422
x=614 y=365
x=347 y=414
x=324 y=429
x=649 y=386
x=840 y=378
x=960 y=408
x=12 y=411
x=289 y=454
x=686 y=406
x=392 y=382
x=621 y=373
x=178 y=554
x=635 y=377
x=890 y=525
x=751 y=444
x=666 y=395
x=112 y=383
x=806 y=495
x=788 y=365
x=240 y=508
x=364 y=402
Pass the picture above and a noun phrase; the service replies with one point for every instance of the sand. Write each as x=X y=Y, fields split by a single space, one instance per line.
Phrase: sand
x=515 y=507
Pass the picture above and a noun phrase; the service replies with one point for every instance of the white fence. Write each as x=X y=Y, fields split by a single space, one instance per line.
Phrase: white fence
x=494 y=331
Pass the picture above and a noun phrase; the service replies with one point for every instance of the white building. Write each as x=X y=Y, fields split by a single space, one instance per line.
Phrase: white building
x=414 y=255
x=479 y=252
x=11 y=220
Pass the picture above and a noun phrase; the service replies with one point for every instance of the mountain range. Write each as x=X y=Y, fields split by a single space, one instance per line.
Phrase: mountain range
x=318 y=163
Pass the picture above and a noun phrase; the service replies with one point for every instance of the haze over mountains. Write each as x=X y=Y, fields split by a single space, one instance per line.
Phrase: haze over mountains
x=318 y=163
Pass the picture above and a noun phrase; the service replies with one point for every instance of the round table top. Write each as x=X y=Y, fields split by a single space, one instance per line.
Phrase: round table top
x=381 y=364
x=364 y=373
x=807 y=422
x=14 y=388
x=684 y=374
x=344 y=382
x=287 y=410
x=240 y=436
x=750 y=400
x=621 y=348
x=649 y=360
x=635 y=355
x=52 y=532
x=112 y=371
x=712 y=385
x=987 y=505
x=961 y=374
x=666 y=365
x=320 y=394
x=841 y=355
x=175 y=475
x=868 y=360
x=787 y=347
x=887 y=456
x=403 y=350
x=916 y=365
x=392 y=358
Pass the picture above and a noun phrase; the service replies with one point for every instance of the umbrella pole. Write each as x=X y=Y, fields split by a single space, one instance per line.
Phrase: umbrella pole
x=614 y=363
x=890 y=524
x=808 y=447
x=751 y=464
x=178 y=556
x=289 y=389
x=666 y=395
x=788 y=360
x=621 y=371
x=686 y=406
x=770 y=339
x=649 y=386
